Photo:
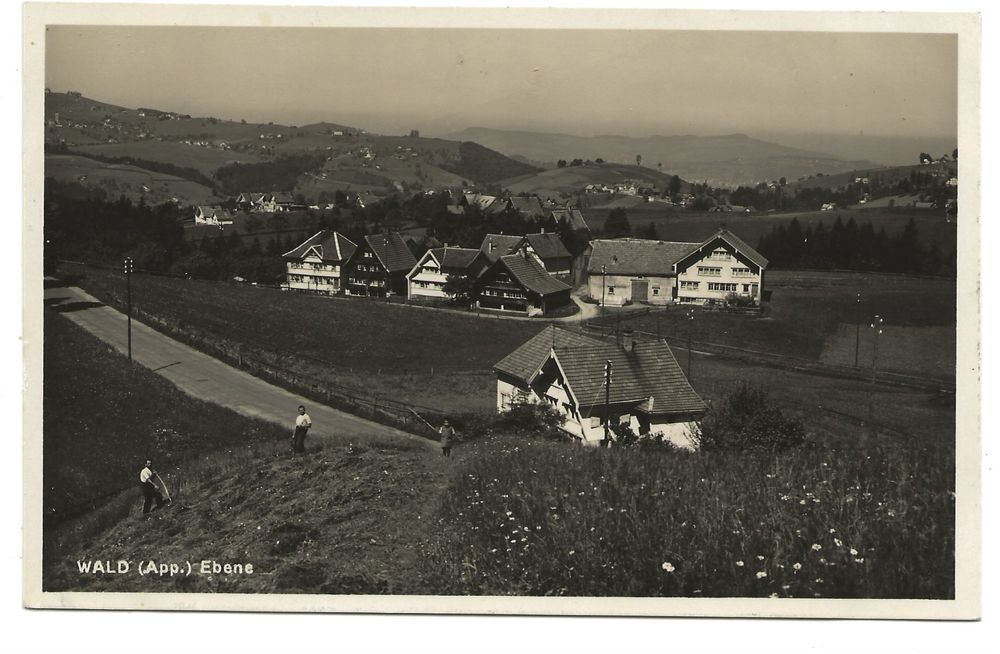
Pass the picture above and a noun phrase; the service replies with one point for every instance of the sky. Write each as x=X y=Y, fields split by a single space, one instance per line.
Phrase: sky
x=583 y=82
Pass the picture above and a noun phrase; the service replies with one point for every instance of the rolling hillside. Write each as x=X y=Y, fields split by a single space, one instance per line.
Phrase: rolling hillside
x=571 y=179
x=356 y=161
x=728 y=160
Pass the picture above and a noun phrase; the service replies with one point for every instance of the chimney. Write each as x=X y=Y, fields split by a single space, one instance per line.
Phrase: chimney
x=541 y=231
x=491 y=247
x=628 y=342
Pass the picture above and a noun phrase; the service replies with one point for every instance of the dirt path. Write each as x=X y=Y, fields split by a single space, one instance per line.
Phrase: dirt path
x=206 y=378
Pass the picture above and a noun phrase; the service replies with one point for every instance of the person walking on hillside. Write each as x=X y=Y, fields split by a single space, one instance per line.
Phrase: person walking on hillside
x=150 y=493
x=302 y=425
x=447 y=433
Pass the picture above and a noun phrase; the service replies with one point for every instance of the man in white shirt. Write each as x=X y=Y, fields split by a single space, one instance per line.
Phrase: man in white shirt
x=150 y=492
x=302 y=425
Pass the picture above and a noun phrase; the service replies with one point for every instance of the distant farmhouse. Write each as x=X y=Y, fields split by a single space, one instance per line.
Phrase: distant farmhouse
x=567 y=371
x=266 y=202
x=212 y=216
x=317 y=264
x=662 y=272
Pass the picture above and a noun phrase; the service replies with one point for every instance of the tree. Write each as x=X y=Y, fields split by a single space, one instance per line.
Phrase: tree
x=600 y=161
x=747 y=420
x=675 y=185
x=459 y=287
x=926 y=158
x=617 y=224
x=561 y=163
x=638 y=160
x=650 y=232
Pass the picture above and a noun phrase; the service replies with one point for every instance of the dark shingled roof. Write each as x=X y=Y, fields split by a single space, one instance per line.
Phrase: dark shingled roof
x=454 y=258
x=636 y=256
x=332 y=246
x=573 y=216
x=649 y=375
x=548 y=246
x=531 y=275
x=392 y=252
x=502 y=244
x=734 y=241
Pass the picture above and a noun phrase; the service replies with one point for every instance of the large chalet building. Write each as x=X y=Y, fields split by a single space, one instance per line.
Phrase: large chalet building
x=627 y=270
x=317 y=264
x=519 y=283
x=427 y=278
x=566 y=370
x=379 y=266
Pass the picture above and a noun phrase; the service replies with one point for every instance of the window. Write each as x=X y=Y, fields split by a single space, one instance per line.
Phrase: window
x=742 y=272
x=368 y=255
x=719 y=254
x=656 y=290
x=720 y=286
x=611 y=290
x=690 y=286
x=706 y=271
x=746 y=288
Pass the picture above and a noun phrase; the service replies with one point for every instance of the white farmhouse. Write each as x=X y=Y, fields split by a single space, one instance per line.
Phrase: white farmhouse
x=426 y=280
x=317 y=264
x=567 y=371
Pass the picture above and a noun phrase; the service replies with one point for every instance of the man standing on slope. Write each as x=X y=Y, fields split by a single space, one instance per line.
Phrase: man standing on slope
x=150 y=493
x=302 y=425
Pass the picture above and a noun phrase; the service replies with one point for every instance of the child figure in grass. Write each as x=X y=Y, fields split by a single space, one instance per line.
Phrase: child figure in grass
x=447 y=433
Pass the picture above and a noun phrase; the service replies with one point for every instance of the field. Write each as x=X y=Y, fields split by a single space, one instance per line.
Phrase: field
x=571 y=179
x=123 y=179
x=839 y=517
x=205 y=160
x=680 y=225
x=813 y=316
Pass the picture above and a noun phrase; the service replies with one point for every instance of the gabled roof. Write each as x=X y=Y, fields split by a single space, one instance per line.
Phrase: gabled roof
x=548 y=246
x=283 y=197
x=482 y=201
x=391 y=251
x=331 y=246
x=531 y=275
x=530 y=207
x=648 y=377
x=637 y=256
x=736 y=243
x=454 y=259
x=502 y=244
x=573 y=216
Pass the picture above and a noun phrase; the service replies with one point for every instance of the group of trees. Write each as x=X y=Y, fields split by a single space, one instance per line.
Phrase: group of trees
x=848 y=246
x=278 y=175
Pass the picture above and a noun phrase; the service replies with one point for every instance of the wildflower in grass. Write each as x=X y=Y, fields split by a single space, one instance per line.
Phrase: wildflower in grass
x=819 y=580
x=785 y=586
x=572 y=552
x=860 y=560
x=802 y=501
x=854 y=552
x=773 y=596
x=668 y=566
x=760 y=557
x=797 y=567
x=823 y=561
x=785 y=498
x=739 y=564
x=838 y=542
x=816 y=547
x=832 y=530
x=761 y=574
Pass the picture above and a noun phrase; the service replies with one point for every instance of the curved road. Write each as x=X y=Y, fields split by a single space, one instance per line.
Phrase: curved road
x=206 y=378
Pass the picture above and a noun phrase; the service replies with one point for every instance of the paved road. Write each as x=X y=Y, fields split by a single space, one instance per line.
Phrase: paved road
x=206 y=378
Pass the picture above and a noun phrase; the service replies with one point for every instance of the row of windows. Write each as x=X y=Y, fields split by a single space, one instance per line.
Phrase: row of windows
x=367 y=282
x=508 y=294
x=718 y=286
x=706 y=271
x=314 y=266
x=719 y=255
x=313 y=281
x=434 y=285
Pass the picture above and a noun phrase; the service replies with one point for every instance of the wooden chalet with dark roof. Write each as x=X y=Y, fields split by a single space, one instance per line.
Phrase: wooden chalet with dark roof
x=379 y=266
x=550 y=251
x=317 y=264
x=566 y=370
x=518 y=283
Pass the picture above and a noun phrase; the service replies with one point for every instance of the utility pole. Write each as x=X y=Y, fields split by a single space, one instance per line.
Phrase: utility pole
x=690 y=317
x=604 y=285
x=607 y=402
x=128 y=301
x=857 y=329
x=877 y=327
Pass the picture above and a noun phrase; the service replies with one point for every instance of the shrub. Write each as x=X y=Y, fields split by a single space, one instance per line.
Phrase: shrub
x=746 y=420
x=531 y=419
x=626 y=437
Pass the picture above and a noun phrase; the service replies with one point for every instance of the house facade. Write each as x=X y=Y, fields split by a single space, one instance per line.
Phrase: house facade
x=317 y=264
x=379 y=266
x=626 y=270
x=427 y=278
x=516 y=283
x=568 y=371
x=217 y=216
x=549 y=250
x=720 y=267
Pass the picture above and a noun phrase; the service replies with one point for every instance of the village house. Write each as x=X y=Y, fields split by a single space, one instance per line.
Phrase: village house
x=379 y=266
x=567 y=371
x=720 y=267
x=212 y=216
x=628 y=270
x=479 y=200
x=317 y=264
x=549 y=250
x=518 y=283
x=427 y=278
x=529 y=207
x=625 y=270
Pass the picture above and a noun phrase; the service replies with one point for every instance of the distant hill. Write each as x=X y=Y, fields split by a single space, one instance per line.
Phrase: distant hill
x=370 y=164
x=728 y=160
x=556 y=182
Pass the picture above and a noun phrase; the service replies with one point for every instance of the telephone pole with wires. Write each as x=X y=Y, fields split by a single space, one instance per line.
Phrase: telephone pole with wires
x=129 y=268
x=607 y=402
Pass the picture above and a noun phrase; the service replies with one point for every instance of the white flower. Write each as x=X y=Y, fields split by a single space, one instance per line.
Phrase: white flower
x=838 y=542
x=797 y=567
x=816 y=547
x=668 y=566
x=761 y=574
x=854 y=552
x=861 y=560
x=739 y=564
x=572 y=552
x=833 y=531
x=760 y=557
x=774 y=596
